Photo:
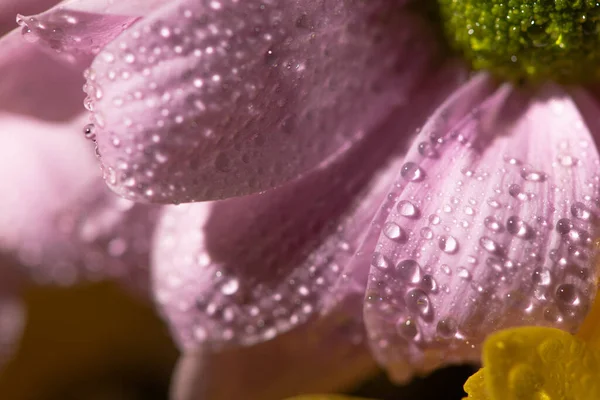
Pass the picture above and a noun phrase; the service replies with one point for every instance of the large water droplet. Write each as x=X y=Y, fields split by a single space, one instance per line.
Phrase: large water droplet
x=532 y=175
x=407 y=209
x=407 y=328
x=517 y=192
x=409 y=271
x=490 y=245
x=89 y=131
x=380 y=261
x=517 y=227
x=446 y=327
x=448 y=244
x=412 y=172
x=418 y=301
x=541 y=276
x=393 y=232
x=564 y=226
x=230 y=287
x=581 y=211
x=426 y=233
x=567 y=294
x=493 y=224
x=427 y=150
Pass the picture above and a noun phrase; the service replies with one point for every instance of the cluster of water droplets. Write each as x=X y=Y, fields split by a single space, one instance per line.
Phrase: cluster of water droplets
x=75 y=35
x=466 y=247
x=245 y=92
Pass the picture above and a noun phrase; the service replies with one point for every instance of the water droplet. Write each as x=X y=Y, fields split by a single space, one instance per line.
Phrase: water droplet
x=448 y=244
x=89 y=131
x=427 y=150
x=407 y=209
x=426 y=233
x=412 y=172
x=516 y=192
x=446 y=327
x=564 y=226
x=541 y=276
x=517 y=227
x=407 y=328
x=380 y=261
x=464 y=273
x=581 y=211
x=418 y=301
x=532 y=175
x=490 y=245
x=493 y=224
x=567 y=294
x=230 y=287
x=567 y=160
x=393 y=232
x=409 y=271
x=446 y=269
x=429 y=283
x=434 y=219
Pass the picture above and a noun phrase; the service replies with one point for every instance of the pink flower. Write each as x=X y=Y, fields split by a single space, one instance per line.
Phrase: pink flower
x=286 y=127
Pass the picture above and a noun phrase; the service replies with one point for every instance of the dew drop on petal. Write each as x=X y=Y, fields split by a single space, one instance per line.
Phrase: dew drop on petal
x=564 y=226
x=446 y=327
x=408 y=209
x=581 y=211
x=407 y=328
x=409 y=271
x=412 y=172
x=517 y=227
x=418 y=301
x=448 y=244
x=392 y=231
x=567 y=294
x=493 y=224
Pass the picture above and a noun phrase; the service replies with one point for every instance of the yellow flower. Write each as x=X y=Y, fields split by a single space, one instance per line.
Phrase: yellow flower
x=535 y=363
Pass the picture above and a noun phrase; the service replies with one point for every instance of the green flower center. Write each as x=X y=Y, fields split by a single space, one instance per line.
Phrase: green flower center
x=527 y=40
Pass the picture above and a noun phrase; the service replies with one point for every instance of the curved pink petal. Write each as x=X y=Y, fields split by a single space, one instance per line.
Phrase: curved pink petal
x=499 y=216
x=207 y=100
x=328 y=355
x=244 y=270
x=61 y=223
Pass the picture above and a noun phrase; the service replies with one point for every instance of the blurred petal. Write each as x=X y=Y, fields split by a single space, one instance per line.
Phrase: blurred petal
x=243 y=270
x=498 y=215
x=10 y=8
x=539 y=363
x=12 y=311
x=222 y=99
x=320 y=357
x=62 y=223
x=36 y=84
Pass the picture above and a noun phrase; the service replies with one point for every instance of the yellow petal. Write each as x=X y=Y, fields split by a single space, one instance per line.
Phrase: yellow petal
x=540 y=364
x=475 y=387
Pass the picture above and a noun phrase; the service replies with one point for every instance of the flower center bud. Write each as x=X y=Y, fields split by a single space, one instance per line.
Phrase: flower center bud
x=527 y=40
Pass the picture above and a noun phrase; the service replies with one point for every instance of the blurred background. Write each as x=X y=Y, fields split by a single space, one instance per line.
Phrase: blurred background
x=95 y=342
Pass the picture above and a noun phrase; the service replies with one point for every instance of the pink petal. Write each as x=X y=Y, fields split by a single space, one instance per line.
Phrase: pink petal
x=246 y=269
x=35 y=83
x=10 y=8
x=321 y=357
x=498 y=219
x=207 y=100
x=61 y=223
x=74 y=35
